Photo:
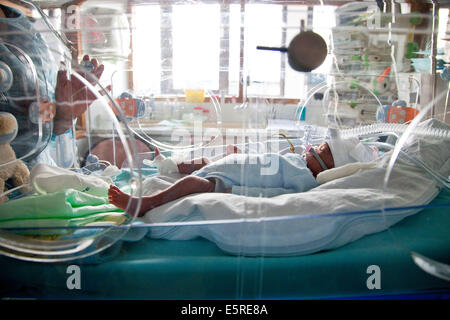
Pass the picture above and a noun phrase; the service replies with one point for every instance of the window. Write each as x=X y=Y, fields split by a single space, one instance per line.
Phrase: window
x=196 y=46
x=213 y=46
x=263 y=26
x=146 y=50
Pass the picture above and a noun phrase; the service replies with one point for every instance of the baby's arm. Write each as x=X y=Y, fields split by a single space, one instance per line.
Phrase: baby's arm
x=197 y=164
x=188 y=167
x=191 y=166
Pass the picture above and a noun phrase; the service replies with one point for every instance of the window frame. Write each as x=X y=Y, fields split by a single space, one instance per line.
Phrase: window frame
x=224 y=46
x=167 y=57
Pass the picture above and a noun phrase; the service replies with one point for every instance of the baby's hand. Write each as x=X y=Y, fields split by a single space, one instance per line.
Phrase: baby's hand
x=158 y=153
x=232 y=149
x=164 y=165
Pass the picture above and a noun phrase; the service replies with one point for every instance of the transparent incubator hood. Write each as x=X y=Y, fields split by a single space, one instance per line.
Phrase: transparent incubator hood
x=54 y=188
x=187 y=84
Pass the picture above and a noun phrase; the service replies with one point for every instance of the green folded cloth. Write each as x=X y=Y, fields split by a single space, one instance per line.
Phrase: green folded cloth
x=66 y=208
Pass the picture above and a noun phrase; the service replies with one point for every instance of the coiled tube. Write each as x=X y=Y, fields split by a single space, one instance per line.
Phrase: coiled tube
x=394 y=127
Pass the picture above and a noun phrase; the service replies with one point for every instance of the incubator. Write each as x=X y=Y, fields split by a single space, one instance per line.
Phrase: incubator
x=116 y=92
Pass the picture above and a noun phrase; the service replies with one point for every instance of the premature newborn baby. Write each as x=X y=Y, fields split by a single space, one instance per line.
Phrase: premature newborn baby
x=266 y=175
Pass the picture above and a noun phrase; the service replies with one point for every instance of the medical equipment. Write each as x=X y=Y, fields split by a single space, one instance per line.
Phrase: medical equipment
x=370 y=92
x=397 y=113
x=306 y=51
x=131 y=107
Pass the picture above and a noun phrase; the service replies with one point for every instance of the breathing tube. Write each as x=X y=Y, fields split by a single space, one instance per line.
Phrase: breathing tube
x=395 y=128
x=381 y=127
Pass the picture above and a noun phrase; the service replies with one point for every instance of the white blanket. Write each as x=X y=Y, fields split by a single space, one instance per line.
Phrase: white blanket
x=48 y=179
x=329 y=216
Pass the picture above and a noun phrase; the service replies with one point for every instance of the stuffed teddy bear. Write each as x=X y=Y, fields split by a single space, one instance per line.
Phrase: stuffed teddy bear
x=14 y=169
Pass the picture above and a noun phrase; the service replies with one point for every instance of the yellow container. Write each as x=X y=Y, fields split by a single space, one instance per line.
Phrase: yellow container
x=195 y=95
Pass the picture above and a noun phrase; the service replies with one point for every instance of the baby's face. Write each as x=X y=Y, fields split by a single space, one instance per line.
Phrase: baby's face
x=324 y=152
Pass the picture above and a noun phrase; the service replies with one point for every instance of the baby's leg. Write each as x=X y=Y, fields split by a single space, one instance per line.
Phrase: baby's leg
x=183 y=187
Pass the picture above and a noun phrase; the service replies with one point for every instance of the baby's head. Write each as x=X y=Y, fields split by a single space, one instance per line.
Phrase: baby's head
x=319 y=158
x=337 y=152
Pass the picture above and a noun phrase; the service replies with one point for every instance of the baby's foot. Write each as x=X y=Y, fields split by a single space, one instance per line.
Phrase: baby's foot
x=129 y=204
x=233 y=149
x=120 y=199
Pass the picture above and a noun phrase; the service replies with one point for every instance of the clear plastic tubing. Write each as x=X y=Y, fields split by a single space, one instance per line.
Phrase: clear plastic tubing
x=394 y=127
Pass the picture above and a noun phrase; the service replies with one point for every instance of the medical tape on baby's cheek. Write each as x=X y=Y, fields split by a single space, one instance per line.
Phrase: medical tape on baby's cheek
x=322 y=164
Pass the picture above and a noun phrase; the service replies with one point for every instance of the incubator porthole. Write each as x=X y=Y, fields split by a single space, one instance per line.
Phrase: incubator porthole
x=63 y=213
